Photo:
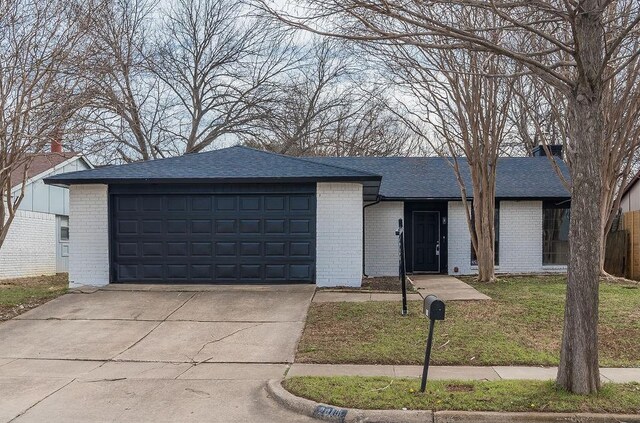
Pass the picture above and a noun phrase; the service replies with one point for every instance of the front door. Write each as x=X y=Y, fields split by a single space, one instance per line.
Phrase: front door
x=426 y=246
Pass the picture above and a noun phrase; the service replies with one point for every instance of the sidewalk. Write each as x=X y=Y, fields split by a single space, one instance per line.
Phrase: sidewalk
x=617 y=375
x=448 y=288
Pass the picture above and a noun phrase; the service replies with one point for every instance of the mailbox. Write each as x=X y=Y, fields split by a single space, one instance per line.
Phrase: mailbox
x=434 y=310
x=433 y=307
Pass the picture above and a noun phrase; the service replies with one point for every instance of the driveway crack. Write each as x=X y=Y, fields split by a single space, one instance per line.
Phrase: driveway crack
x=38 y=402
x=213 y=341
x=153 y=328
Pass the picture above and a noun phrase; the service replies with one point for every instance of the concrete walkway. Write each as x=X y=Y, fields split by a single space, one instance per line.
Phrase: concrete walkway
x=448 y=288
x=166 y=355
x=617 y=375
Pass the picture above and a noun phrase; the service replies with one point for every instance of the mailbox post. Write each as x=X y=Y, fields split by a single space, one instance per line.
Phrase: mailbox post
x=434 y=310
x=402 y=270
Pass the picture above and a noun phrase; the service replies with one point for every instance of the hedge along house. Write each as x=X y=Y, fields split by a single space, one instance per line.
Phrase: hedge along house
x=239 y=215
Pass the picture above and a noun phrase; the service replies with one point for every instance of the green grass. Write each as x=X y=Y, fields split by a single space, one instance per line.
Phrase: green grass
x=383 y=393
x=22 y=294
x=522 y=325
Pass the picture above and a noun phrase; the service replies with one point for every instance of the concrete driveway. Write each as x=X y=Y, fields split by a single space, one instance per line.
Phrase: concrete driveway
x=161 y=354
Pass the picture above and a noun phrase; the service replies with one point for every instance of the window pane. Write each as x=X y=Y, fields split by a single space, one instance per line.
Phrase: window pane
x=555 y=235
x=64 y=233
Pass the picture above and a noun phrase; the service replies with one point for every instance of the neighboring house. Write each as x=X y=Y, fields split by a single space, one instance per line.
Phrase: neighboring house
x=631 y=195
x=242 y=215
x=38 y=239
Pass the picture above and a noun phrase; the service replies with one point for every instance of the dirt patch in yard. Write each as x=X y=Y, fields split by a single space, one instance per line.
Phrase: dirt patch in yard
x=376 y=284
x=19 y=295
x=391 y=284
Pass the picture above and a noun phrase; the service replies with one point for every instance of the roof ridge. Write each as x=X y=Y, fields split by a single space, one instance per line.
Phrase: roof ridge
x=273 y=153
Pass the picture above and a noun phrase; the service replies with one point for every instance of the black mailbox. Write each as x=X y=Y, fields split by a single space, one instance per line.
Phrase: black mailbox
x=433 y=307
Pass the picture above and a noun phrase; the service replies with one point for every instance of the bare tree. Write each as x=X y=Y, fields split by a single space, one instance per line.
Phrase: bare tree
x=38 y=90
x=622 y=134
x=538 y=112
x=220 y=65
x=123 y=121
x=566 y=45
x=324 y=108
x=541 y=117
x=464 y=99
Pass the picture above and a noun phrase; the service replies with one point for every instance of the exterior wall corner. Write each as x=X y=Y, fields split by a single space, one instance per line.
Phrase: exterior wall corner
x=89 y=238
x=339 y=234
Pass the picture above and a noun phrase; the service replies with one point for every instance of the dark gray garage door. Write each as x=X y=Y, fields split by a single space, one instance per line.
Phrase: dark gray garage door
x=204 y=238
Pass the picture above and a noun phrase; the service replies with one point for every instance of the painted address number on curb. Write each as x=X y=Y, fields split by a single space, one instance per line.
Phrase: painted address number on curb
x=329 y=413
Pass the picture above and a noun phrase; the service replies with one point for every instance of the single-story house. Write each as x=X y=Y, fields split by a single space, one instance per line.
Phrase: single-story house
x=38 y=239
x=239 y=215
x=630 y=200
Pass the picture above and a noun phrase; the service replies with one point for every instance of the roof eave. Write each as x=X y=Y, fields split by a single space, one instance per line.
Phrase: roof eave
x=269 y=180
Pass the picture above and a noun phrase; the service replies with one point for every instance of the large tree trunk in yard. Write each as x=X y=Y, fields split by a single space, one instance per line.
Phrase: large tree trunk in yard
x=578 y=371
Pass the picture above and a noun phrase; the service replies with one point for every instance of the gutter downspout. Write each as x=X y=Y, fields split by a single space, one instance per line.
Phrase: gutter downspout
x=364 y=233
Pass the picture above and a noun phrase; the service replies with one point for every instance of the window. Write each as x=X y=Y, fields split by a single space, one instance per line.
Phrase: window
x=496 y=246
x=555 y=233
x=64 y=229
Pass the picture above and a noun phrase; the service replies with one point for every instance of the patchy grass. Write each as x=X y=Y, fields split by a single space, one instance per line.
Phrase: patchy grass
x=22 y=294
x=377 y=284
x=381 y=393
x=387 y=284
x=522 y=325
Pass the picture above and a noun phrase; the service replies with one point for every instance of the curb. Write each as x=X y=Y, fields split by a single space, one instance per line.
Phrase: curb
x=351 y=415
x=342 y=415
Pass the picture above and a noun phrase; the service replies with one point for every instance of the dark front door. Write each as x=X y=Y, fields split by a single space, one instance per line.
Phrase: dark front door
x=426 y=247
x=206 y=238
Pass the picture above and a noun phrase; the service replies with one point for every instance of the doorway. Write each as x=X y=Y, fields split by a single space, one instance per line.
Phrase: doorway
x=426 y=241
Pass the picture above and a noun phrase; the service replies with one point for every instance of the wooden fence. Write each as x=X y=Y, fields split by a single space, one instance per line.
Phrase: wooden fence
x=616 y=257
x=631 y=225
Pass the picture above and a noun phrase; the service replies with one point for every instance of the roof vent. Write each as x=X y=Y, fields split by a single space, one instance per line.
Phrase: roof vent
x=554 y=149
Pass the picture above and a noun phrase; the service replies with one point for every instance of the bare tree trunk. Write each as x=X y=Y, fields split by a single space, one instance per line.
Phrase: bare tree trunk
x=484 y=210
x=578 y=371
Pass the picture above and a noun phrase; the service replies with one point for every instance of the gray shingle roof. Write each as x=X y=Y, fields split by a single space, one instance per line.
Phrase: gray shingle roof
x=402 y=177
x=434 y=178
x=233 y=164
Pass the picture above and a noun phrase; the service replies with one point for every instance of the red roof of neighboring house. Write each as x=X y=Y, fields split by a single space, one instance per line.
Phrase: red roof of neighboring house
x=39 y=163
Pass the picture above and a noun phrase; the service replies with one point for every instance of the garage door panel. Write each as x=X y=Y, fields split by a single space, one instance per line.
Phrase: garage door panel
x=205 y=238
x=150 y=204
x=250 y=226
x=274 y=226
x=300 y=226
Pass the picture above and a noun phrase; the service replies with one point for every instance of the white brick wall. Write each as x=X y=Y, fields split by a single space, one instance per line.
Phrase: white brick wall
x=520 y=239
x=89 y=239
x=381 y=242
x=30 y=246
x=339 y=234
x=459 y=253
x=520 y=236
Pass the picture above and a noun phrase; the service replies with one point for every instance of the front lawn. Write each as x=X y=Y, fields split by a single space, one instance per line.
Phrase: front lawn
x=381 y=393
x=522 y=325
x=22 y=294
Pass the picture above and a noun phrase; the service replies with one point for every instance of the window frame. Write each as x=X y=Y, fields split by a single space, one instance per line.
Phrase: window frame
x=547 y=253
x=64 y=224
